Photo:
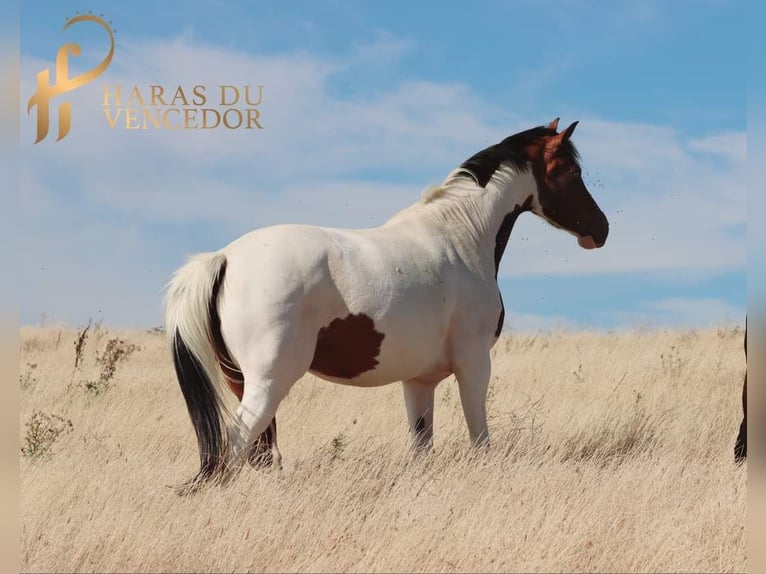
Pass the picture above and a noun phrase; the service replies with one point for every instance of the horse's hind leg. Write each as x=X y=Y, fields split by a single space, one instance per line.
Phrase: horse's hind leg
x=271 y=364
x=255 y=414
x=264 y=452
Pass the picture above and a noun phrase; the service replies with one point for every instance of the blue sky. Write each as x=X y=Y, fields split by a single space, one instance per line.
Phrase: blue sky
x=364 y=105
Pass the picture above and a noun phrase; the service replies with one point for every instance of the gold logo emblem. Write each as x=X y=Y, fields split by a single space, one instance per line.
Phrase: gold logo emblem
x=63 y=84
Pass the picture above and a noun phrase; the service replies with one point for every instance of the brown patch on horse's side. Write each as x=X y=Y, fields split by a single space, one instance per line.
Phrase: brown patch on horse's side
x=347 y=347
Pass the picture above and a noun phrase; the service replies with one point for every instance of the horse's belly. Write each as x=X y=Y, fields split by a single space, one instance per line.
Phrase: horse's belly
x=352 y=351
x=379 y=377
x=370 y=379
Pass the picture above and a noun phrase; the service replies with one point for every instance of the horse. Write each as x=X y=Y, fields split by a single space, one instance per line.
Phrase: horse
x=740 y=446
x=414 y=300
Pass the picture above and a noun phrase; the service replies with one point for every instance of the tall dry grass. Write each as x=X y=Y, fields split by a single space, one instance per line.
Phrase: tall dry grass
x=610 y=452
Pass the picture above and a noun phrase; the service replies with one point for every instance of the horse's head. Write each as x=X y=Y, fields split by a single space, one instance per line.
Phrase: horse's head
x=562 y=198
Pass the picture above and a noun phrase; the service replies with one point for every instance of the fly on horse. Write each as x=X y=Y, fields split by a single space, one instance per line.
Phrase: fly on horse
x=414 y=300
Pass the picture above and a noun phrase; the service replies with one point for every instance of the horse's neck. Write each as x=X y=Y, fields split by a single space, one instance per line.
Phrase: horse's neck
x=469 y=217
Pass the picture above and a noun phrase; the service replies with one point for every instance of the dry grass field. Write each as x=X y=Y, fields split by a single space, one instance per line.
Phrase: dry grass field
x=610 y=452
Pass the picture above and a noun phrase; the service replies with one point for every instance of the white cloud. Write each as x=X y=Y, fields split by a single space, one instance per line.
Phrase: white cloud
x=351 y=160
x=731 y=146
x=383 y=49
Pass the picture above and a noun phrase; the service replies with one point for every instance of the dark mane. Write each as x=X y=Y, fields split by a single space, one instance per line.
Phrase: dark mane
x=512 y=150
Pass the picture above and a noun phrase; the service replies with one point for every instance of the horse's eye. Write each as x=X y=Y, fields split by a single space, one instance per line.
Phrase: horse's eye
x=577 y=173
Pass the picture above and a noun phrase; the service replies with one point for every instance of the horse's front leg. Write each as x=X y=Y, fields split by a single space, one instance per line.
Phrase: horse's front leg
x=472 y=372
x=419 y=401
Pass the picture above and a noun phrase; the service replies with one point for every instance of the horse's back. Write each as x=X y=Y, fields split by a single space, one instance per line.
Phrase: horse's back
x=301 y=255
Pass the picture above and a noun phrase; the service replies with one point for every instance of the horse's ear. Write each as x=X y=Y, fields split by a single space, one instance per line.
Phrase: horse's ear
x=554 y=125
x=553 y=142
x=567 y=133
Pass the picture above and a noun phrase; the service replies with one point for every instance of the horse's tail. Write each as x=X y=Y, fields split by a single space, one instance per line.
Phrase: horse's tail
x=194 y=329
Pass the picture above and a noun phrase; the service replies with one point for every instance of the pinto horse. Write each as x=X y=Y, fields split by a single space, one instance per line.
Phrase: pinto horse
x=740 y=447
x=414 y=300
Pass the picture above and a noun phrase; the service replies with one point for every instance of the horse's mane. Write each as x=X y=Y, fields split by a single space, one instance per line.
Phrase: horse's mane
x=511 y=150
x=454 y=182
x=480 y=167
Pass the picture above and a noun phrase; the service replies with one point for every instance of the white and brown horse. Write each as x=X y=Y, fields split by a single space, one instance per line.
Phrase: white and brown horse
x=414 y=300
x=740 y=446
